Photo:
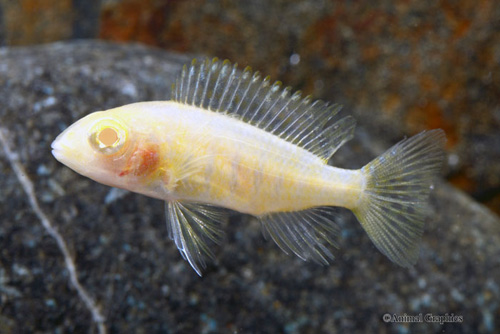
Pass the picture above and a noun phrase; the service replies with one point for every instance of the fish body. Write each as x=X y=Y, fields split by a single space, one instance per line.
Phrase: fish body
x=234 y=141
x=221 y=161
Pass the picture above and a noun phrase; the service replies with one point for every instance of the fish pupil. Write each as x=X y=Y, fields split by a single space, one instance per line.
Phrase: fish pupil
x=108 y=137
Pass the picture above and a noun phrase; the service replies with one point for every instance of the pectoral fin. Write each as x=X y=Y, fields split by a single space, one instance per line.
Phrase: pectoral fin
x=192 y=226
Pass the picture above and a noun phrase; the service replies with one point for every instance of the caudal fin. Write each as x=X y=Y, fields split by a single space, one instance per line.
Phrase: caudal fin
x=393 y=206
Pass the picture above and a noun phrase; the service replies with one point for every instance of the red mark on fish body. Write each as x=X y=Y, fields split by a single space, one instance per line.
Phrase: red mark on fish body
x=142 y=162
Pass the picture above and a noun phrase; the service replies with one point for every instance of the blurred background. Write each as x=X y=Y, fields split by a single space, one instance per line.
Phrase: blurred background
x=399 y=66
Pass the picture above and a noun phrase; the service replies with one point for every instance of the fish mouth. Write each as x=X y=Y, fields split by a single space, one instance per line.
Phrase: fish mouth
x=58 y=149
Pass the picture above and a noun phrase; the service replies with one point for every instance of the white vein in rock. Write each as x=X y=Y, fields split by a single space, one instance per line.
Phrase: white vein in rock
x=28 y=187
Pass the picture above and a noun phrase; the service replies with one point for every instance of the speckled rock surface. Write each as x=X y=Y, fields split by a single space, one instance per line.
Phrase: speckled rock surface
x=136 y=275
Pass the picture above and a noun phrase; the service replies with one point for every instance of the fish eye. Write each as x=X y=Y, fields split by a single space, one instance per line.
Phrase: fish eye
x=108 y=137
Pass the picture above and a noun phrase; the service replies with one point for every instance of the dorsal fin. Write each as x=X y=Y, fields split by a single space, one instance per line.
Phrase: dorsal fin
x=218 y=86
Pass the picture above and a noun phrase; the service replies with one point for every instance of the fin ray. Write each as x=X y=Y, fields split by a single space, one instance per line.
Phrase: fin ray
x=303 y=232
x=217 y=86
x=394 y=204
x=192 y=226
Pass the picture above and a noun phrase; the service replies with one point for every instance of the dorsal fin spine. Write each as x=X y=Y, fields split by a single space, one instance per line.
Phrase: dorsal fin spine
x=252 y=92
x=303 y=126
x=186 y=86
x=196 y=82
x=263 y=85
x=235 y=90
x=302 y=103
x=283 y=96
x=272 y=91
x=229 y=81
x=307 y=130
x=198 y=85
x=180 y=83
x=246 y=73
x=292 y=99
x=220 y=76
x=311 y=142
x=218 y=86
x=207 y=82
x=254 y=89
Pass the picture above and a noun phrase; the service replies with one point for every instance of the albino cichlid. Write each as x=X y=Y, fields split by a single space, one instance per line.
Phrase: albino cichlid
x=231 y=139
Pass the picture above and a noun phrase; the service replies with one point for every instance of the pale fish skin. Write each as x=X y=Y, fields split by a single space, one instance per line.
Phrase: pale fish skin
x=202 y=150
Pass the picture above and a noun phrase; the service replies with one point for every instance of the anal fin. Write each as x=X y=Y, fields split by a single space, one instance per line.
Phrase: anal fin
x=192 y=226
x=303 y=233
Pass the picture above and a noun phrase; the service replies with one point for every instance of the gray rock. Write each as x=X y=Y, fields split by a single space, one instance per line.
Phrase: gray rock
x=137 y=277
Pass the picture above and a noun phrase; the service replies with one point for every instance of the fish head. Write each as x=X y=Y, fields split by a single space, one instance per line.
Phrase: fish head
x=96 y=146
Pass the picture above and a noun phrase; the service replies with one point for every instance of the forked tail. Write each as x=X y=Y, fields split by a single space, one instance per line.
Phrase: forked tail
x=393 y=206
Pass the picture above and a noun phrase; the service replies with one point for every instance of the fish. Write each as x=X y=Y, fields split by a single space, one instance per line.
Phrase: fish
x=231 y=140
